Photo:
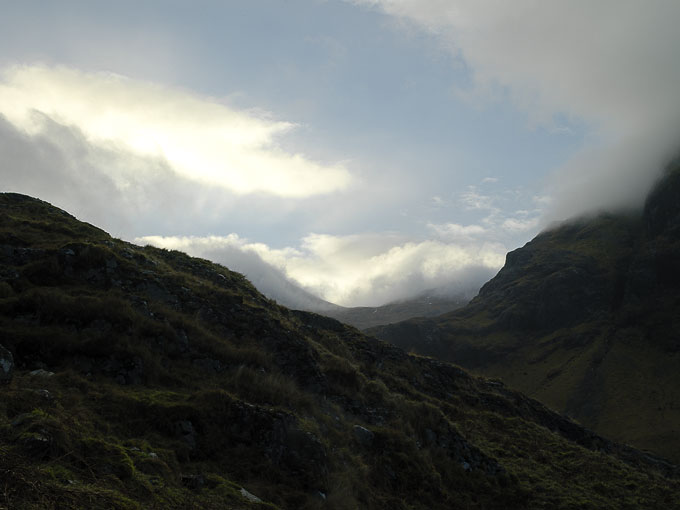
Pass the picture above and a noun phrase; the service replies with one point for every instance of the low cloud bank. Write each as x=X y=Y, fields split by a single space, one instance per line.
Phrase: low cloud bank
x=239 y=255
x=357 y=270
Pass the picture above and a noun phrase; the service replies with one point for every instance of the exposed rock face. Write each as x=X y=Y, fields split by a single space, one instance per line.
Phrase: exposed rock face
x=656 y=266
x=6 y=365
x=568 y=289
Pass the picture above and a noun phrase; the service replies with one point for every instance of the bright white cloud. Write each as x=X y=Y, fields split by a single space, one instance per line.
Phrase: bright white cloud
x=358 y=270
x=612 y=64
x=374 y=269
x=200 y=138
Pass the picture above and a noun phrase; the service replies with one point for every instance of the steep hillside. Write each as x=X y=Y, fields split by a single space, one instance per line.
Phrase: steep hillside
x=585 y=318
x=142 y=378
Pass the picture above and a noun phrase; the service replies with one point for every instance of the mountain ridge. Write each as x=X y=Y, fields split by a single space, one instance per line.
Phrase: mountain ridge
x=144 y=378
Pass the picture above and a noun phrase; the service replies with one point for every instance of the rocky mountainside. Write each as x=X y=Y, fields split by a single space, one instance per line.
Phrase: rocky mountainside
x=142 y=378
x=585 y=318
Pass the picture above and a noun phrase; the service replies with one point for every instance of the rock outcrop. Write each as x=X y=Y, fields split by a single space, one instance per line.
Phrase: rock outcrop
x=6 y=365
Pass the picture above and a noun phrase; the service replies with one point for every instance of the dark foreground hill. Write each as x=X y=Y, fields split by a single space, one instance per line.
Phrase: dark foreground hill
x=585 y=318
x=142 y=378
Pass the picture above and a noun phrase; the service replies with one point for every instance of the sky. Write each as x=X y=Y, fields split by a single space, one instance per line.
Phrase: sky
x=365 y=151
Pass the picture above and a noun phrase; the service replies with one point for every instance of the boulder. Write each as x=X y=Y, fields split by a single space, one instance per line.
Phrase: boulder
x=6 y=365
x=40 y=373
x=184 y=429
x=38 y=444
x=249 y=496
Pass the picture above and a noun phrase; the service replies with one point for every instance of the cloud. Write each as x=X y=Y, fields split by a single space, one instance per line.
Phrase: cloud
x=124 y=193
x=240 y=255
x=618 y=177
x=354 y=270
x=130 y=195
x=453 y=231
x=116 y=190
x=611 y=65
x=198 y=138
x=520 y=225
x=499 y=221
x=591 y=60
x=472 y=200
x=371 y=269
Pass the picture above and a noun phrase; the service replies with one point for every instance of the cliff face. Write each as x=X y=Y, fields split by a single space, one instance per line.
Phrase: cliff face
x=586 y=318
x=141 y=378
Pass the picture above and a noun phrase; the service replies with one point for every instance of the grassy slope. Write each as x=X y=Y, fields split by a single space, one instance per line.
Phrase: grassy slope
x=143 y=342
